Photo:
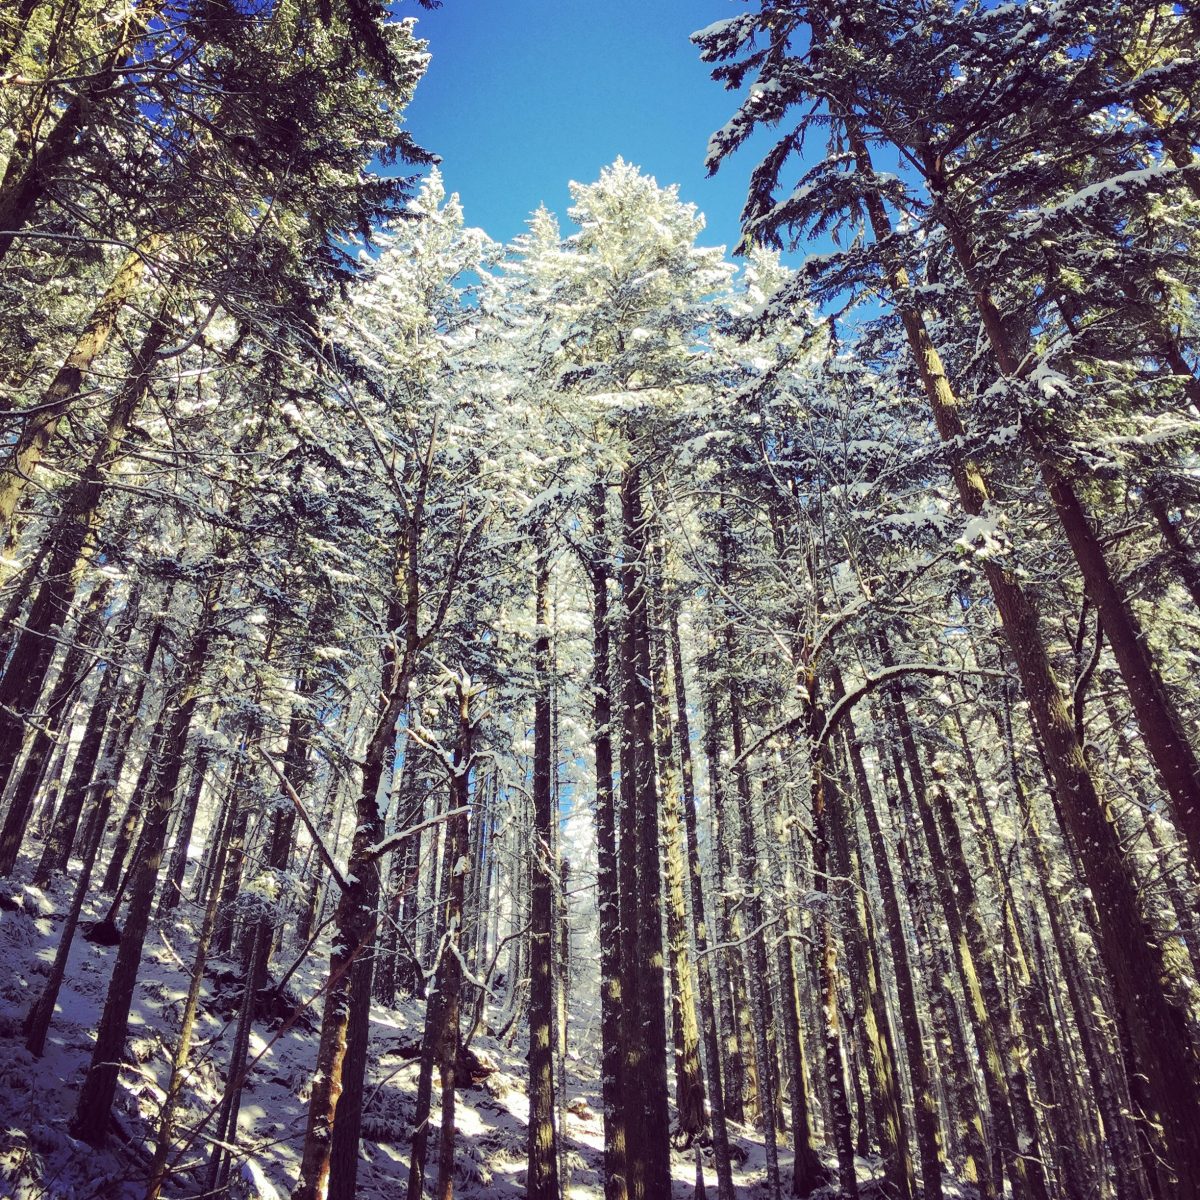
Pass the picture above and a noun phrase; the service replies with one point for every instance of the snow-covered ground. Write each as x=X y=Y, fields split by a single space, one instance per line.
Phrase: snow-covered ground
x=40 y=1161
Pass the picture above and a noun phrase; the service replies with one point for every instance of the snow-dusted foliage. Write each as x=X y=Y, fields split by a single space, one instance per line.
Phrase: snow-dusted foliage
x=584 y=717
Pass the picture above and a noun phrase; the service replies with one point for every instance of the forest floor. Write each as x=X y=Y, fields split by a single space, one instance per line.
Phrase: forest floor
x=40 y=1161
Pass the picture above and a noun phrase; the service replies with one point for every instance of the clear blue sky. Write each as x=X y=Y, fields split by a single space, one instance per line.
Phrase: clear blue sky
x=524 y=95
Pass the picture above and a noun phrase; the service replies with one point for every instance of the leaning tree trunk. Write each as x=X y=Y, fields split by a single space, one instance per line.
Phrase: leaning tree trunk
x=1163 y=734
x=1165 y=1071
x=37 y=1020
x=225 y=1133
x=105 y=704
x=41 y=426
x=166 y=1119
x=106 y=773
x=74 y=671
x=94 y=1108
x=30 y=175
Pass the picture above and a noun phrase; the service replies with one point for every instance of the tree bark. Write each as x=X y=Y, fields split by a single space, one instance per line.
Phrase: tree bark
x=75 y=669
x=708 y=1009
x=166 y=1120
x=612 y=1014
x=40 y=425
x=924 y=1096
x=63 y=830
x=755 y=913
x=94 y=1108
x=690 y=1114
x=542 y=1178
x=1165 y=1059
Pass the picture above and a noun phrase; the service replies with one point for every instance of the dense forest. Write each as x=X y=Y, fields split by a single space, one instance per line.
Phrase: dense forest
x=591 y=716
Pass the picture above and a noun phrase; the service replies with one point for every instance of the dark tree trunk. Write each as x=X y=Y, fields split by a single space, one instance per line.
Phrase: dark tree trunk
x=839 y=1103
x=759 y=966
x=135 y=811
x=708 y=1009
x=542 y=1178
x=872 y=1023
x=647 y=969
x=924 y=1096
x=76 y=666
x=225 y=1134
x=450 y=983
x=612 y=1015
x=158 y=1171
x=976 y=971
x=1165 y=1063
x=41 y=427
x=61 y=838
x=106 y=773
x=94 y=1108
x=690 y=1111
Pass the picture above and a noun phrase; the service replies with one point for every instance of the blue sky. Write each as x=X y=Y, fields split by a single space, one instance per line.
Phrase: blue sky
x=524 y=95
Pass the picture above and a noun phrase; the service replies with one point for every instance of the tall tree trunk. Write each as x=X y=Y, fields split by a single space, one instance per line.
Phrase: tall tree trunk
x=32 y=172
x=873 y=1026
x=173 y=884
x=755 y=913
x=971 y=945
x=37 y=1020
x=1165 y=1065
x=916 y=866
x=356 y=915
x=105 y=704
x=827 y=957
x=225 y=1133
x=430 y=1051
x=708 y=1010
x=542 y=1178
x=648 y=970
x=735 y=1021
x=41 y=425
x=77 y=664
x=612 y=1012
x=106 y=775
x=94 y=1108
x=1158 y=719
x=29 y=663
x=808 y=1173
x=451 y=982
x=135 y=810
x=690 y=1113
x=924 y=1097
x=158 y=1171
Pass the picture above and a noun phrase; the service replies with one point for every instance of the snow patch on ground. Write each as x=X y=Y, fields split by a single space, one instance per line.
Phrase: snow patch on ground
x=39 y=1160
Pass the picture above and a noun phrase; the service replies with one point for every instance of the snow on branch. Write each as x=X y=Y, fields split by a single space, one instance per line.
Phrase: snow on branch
x=318 y=841
x=393 y=840
x=843 y=706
